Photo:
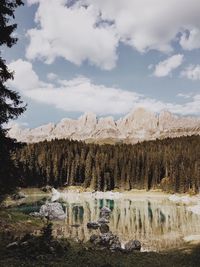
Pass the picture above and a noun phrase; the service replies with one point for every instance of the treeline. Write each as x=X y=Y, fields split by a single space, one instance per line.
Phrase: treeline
x=170 y=164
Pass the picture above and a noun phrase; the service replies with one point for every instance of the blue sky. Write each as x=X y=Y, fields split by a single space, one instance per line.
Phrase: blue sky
x=107 y=57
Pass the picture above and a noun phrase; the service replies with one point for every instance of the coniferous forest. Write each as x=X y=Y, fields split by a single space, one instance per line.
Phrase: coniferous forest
x=170 y=164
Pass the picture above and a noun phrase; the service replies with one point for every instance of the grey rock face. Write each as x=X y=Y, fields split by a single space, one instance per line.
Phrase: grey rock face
x=52 y=211
x=103 y=220
x=106 y=239
x=105 y=213
x=94 y=239
x=93 y=225
x=138 y=125
x=104 y=228
x=132 y=245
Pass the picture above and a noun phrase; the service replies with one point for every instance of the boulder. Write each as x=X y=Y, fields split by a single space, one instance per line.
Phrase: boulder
x=93 y=225
x=52 y=211
x=103 y=220
x=110 y=241
x=133 y=245
x=104 y=228
x=105 y=212
x=105 y=209
x=94 y=239
x=106 y=238
x=116 y=245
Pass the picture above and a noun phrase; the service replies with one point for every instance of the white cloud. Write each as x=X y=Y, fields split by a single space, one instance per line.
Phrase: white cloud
x=71 y=33
x=76 y=95
x=90 y=30
x=192 y=72
x=25 y=77
x=51 y=76
x=164 y=68
x=189 y=95
x=81 y=94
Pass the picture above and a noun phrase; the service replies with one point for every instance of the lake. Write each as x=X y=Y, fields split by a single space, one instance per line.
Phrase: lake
x=157 y=222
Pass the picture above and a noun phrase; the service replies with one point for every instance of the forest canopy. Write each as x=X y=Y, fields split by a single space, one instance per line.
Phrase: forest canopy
x=170 y=164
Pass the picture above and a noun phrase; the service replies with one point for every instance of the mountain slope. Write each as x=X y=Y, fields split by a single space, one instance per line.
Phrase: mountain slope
x=138 y=125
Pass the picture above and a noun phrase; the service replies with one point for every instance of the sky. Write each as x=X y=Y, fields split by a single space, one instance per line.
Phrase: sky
x=105 y=56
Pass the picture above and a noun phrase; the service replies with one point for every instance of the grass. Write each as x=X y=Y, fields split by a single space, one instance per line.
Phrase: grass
x=78 y=256
x=17 y=223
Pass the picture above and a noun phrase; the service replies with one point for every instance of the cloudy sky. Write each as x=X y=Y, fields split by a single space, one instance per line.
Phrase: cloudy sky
x=107 y=57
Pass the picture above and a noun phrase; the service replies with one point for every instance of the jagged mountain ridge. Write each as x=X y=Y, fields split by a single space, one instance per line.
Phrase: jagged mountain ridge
x=136 y=126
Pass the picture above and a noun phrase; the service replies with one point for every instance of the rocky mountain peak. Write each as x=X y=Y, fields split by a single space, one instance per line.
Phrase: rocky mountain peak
x=138 y=125
x=88 y=118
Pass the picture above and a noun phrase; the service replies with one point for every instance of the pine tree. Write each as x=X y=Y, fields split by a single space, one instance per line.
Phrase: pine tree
x=10 y=102
x=88 y=170
x=170 y=164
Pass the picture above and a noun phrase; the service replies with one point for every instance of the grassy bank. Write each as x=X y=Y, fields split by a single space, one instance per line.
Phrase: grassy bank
x=79 y=256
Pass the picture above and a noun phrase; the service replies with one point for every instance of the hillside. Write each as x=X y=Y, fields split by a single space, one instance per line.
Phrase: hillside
x=171 y=164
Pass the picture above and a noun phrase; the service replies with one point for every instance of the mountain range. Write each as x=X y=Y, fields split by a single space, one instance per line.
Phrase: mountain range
x=136 y=126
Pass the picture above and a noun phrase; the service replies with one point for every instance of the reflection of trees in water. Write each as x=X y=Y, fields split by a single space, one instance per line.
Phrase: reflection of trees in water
x=157 y=224
x=78 y=213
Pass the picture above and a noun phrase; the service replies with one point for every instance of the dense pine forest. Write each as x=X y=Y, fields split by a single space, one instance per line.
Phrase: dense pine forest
x=170 y=164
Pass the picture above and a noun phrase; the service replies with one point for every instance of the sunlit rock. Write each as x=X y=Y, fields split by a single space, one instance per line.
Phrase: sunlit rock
x=138 y=125
x=52 y=211
x=133 y=245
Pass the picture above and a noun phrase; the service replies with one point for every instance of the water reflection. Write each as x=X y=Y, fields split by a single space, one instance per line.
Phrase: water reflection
x=157 y=224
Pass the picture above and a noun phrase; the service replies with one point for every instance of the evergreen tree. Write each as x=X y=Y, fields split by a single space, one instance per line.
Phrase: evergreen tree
x=171 y=164
x=10 y=102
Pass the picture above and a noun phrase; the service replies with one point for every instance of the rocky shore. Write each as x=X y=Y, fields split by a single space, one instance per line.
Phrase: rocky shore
x=106 y=239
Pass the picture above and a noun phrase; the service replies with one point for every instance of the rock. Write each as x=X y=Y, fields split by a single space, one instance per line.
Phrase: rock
x=105 y=212
x=116 y=245
x=47 y=189
x=54 y=191
x=52 y=211
x=103 y=220
x=18 y=196
x=104 y=228
x=93 y=225
x=106 y=238
x=133 y=245
x=55 y=195
x=110 y=241
x=12 y=245
x=94 y=238
x=138 y=125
